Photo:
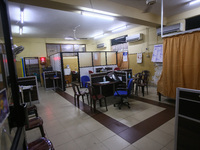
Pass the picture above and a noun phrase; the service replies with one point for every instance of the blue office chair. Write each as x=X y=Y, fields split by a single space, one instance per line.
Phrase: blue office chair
x=124 y=93
x=84 y=80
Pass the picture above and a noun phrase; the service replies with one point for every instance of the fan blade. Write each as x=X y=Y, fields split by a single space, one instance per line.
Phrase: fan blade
x=148 y=8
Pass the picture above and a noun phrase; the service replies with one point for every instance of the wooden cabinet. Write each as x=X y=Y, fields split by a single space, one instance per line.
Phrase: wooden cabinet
x=187 y=126
x=68 y=79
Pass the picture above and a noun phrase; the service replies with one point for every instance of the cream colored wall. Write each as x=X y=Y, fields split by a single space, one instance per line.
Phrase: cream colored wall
x=72 y=62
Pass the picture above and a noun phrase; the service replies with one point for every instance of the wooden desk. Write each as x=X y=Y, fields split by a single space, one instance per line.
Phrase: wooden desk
x=106 y=88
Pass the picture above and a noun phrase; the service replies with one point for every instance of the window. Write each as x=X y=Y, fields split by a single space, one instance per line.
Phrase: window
x=55 y=48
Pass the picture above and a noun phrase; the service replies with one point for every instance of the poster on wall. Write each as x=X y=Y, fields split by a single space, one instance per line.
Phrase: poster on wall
x=157 y=53
x=125 y=56
x=139 y=58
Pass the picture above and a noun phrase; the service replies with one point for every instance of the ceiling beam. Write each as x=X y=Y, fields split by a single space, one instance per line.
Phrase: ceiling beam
x=125 y=13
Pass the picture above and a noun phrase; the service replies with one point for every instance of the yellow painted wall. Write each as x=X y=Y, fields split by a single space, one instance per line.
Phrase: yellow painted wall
x=72 y=62
x=36 y=47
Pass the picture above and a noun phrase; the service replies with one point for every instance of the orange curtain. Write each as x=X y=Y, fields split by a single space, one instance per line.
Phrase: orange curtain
x=181 y=64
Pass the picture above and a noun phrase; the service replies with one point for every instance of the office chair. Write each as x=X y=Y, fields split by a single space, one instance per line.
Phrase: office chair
x=84 y=80
x=124 y=93
x=96 y=97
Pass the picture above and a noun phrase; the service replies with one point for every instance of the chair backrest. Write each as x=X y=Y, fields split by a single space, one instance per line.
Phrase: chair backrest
x=92 y=92
x=75 y=88
x=130 y=86
x=116 y=68
x=145 y=74
x=138 y=78
x=84 y=79
x=90 y=71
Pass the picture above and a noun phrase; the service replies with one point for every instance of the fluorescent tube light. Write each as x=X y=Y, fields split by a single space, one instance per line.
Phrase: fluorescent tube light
x=69 y=38
x=22 y=16
x=98 y=36
x=20 y=30
x=119 y=29
x=194 y=2
x=91 y=14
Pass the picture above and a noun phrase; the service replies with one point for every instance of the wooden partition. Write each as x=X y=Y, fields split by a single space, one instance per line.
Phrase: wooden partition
x=32 y=81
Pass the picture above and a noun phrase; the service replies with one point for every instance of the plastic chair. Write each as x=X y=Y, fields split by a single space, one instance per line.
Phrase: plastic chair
x=90 y=71
x=96 y=97
x=117 y=68
x=84 y=80
x=78 y=93
x=145 y=77
x=124 y=93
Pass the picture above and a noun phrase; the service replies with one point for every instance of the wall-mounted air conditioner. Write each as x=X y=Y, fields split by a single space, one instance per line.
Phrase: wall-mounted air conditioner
x=101 y=45
x=170 y=29
x=134 y=38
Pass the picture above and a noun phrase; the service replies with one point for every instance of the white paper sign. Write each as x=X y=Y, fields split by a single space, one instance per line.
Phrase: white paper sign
x=125 y=56
x=139 y=58
x=157 y=53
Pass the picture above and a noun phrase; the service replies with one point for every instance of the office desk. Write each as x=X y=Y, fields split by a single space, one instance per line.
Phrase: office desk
x=106 y=88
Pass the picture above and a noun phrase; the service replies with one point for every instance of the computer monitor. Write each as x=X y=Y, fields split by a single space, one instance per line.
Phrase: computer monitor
x=4 y=106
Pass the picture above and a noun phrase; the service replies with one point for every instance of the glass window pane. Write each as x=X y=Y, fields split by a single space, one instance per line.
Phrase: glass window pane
x=67 y=48
x=99 y=58
x=79 y=48
x=111 y=58
x=52 y=49
x=85 y=59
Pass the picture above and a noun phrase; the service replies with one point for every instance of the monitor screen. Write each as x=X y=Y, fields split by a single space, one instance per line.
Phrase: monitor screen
x=4 y=106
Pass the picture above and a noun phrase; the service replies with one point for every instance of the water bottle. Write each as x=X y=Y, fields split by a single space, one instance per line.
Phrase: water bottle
x=129 y=75
x=104 y=79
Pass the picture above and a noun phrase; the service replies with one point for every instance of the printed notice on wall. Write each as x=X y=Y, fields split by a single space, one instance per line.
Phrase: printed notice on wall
x=157 y=53
x=139 y=58
x=125 y=56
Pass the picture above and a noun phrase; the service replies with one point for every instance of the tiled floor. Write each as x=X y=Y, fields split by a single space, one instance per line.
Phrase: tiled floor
x=145 y=126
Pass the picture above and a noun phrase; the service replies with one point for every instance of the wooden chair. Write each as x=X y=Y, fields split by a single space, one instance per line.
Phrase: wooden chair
x=41 y=144
x=36 y=122
x=78 y=93
x=96 y=97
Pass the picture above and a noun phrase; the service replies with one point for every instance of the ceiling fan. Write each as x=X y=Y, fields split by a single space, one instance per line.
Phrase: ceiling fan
x=149 y=6
x=74 y=37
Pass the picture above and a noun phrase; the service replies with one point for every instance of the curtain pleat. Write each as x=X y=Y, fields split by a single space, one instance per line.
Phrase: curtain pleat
x=181 y=64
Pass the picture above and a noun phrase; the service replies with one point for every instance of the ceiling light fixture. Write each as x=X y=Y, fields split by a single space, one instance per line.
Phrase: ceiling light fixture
x=22 y=15
x=20 y=30
x=101 y=16
x=194 y=2
x=119 y=29
x=69 y=38
x=99 y=36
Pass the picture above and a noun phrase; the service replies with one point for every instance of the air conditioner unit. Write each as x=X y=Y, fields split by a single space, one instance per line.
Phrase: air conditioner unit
x=170 y=29
x=101 y=45
x=134 y=38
